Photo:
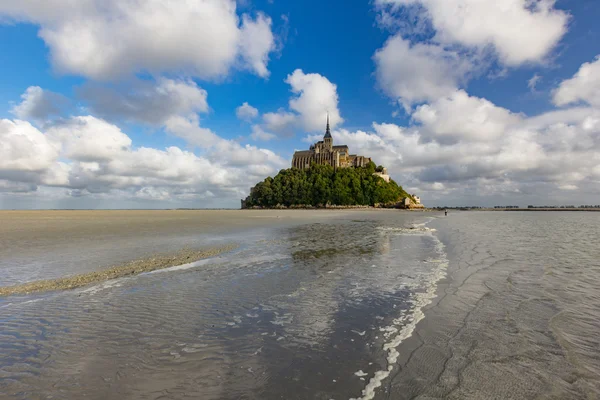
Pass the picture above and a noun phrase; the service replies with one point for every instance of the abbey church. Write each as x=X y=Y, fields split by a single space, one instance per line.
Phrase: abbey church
x=324 y=152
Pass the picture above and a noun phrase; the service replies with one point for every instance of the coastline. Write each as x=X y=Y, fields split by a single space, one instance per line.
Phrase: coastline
x=132 y=268
x=579 y=209
x=334 y=207
x=549 y=209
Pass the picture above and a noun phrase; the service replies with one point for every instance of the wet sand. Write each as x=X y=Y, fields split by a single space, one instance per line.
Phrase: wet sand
x=132 y=268
x=295 y=312
x=42 y=245
x=312 y=305
x=20 y=229
x=518 y=316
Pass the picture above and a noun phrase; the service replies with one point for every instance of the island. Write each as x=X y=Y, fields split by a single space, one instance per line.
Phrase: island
x=328 y=176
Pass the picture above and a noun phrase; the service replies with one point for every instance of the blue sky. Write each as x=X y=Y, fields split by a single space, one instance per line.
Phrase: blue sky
x=142 y=109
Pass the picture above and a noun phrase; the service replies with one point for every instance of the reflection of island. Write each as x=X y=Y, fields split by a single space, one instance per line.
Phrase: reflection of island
x=384 y=242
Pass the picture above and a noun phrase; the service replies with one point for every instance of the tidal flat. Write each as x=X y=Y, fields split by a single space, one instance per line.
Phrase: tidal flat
x=352 y=304
x=50 y=244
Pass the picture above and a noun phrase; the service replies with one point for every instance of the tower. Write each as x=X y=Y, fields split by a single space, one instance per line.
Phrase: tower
x=327 y=139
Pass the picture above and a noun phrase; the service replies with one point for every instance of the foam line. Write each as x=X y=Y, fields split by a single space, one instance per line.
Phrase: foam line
x=403 y=327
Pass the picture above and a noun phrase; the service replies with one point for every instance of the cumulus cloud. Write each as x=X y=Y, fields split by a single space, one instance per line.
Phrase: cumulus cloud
x=29 y=158
x=315 y=96
x=519 y=31
x=174 y=105
x=89 y=139
x=106 y=39
x=460 y=116
x=146 y=102
x=246 y=112
x=464 y=147
x=256 y=42
x=40 y=105
x=281 y=122
x=190 y=130
x=420 y=72
x=91 y=157
x=259 y=134
x=24 y=148
x=584 y=86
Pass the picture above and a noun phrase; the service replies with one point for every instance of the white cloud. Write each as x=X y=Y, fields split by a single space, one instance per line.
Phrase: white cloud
x=259 y=134
x=583 y=86
x=24 y=148
x=520 y=31
x=39 y=105
x=146 y=102
x=256 y=42
x=418 y=73
x=281 y=122
x=93 y=158
x=105 y=39
x=462 y=116
x=533 y=82
x=314 y=96
x=468 y=150
x=222 y=151
x=89 y=139
x=249 y=158
x=246 y=112
x=190 y=130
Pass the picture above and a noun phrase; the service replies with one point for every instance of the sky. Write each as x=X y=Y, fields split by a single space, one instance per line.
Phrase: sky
x=170 y=104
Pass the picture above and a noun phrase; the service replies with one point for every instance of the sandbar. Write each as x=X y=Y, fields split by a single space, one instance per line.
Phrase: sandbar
x=132 y=268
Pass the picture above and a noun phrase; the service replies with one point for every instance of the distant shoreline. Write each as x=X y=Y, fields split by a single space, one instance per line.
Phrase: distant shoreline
x=333 y=208
x=518 y=209
x=547 y=209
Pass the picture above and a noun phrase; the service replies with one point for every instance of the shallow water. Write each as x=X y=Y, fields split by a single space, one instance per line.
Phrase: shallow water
x=296 y=313
x=518 y=316
x=331 y=310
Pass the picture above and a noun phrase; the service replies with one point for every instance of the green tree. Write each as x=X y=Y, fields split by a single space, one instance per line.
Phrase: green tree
x=322 y=184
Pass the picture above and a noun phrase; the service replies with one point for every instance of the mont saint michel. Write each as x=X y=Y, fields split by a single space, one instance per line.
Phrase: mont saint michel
x=324 y=152
x=328 y=176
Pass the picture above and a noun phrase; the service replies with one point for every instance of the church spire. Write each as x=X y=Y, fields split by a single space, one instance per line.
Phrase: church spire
x=327 y=131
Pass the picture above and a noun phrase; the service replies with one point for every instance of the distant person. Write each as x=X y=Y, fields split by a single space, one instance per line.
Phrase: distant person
x=446 y=212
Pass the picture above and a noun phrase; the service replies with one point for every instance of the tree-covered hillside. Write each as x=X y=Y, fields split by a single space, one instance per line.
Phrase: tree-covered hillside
x=321 y=184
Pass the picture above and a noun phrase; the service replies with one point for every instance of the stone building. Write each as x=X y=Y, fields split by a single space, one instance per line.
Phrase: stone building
x=324 y=152
x=407 y=202
x=383 y=175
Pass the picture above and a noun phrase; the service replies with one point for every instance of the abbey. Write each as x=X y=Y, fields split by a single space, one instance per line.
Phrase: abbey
x=324 y=152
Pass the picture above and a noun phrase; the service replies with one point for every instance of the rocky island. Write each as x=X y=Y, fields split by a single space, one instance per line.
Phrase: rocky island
x=328 y=176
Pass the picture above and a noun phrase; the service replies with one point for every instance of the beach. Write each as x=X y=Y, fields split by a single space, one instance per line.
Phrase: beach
x=299 y=304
